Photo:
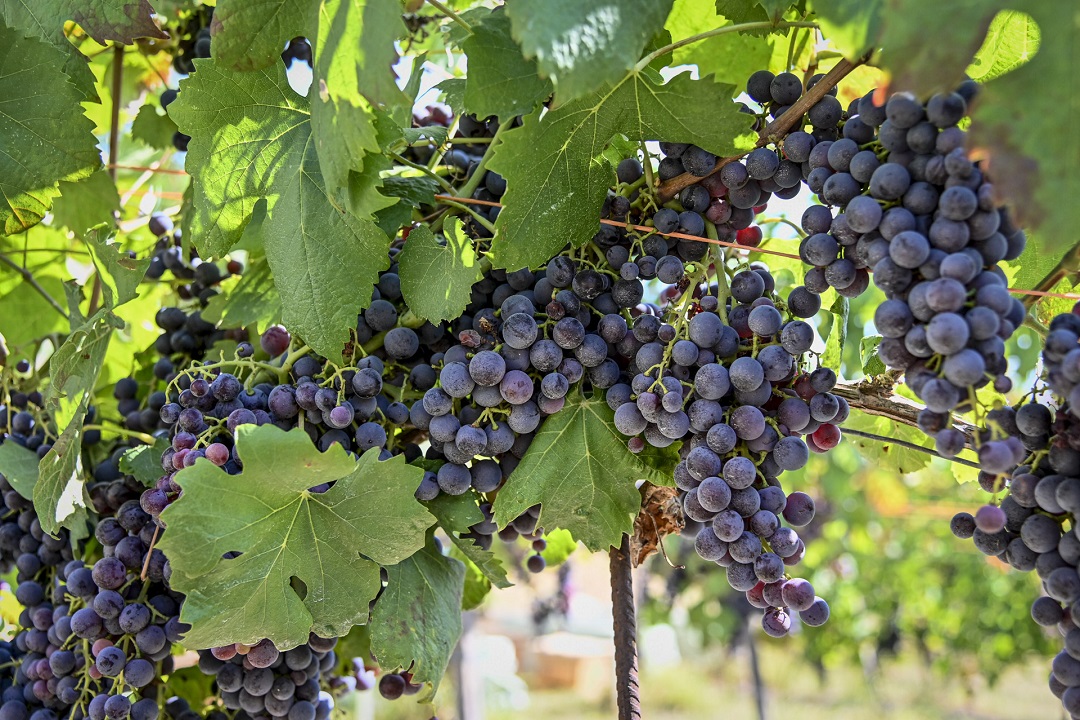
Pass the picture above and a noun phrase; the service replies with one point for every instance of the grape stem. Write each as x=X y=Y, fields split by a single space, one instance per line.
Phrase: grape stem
x=122 y=432
x=32 y=282
x=451 y=14
x=740 y=27
x=909 y=445
x=778 y=127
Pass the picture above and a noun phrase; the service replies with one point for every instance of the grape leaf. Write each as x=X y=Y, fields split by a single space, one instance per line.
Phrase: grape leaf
x=455 y=515
x=560 y=546
x=1013 y=38
x=252 y=301
x=354 y=61
x=901 y=459
x=44 y=136
x=251 y=140
x=729 y=58
x=191 y=684
x=19 y=467
x=834 y=344
x=284 y=531
x=104 y=20
x=555 y=185
x=73 y=373
x=416 y=621
x=144 y=462
x=153 y=128
x=1031 y=179
x=437 y=280
x=741 y=11
x=868 y=355
x=416 y=191
x=453 y=90
x=250 y=34
x=87 y=203
x=500 y=81
x=584 y=46
x=120 y=274
x=580 y=471
x=476 y=587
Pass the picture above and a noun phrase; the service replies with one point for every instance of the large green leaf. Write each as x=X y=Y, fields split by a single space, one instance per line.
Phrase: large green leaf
x=251 y=140
x=19 y=467
x=87 y=203
x=500 y=81
x=1014 y=116
x=332 y=542
x=437 y=280
x=555 y=182
x=104 y=20
x=583 y=46
x=416 y=621
x=729 y=58
x=44 y=136
x=73 y=374
x=250 y=34
x=580 y=471
x=354 y=58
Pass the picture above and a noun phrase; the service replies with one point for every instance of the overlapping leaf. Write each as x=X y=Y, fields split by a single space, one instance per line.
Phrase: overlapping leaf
x=417 y=620
x=19 y=467
x=354 y=61
x=73 y=373
x=501 y=81
x=436 y=280
x=251 y=142
x=104 y=20
x=555 y=182
x=44 y=137
x=250 y=34
x=584 y=46
x=331 y=543
x=87 y=203
x=580 y=471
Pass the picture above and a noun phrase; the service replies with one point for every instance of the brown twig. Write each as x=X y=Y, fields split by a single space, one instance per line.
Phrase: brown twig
x=877 y=399
x=774 y=130
x=625 y=627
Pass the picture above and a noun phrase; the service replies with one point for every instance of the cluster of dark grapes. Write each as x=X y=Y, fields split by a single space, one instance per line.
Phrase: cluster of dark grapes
x=730 y=198
x=93 y=640
x=1031 y=523
x=24 y=422
x=203 y=276
x=921 y=214
x=733 y=392
x=263 y=682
